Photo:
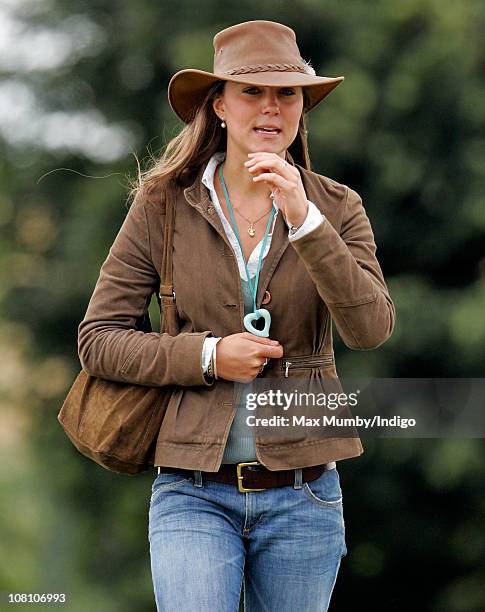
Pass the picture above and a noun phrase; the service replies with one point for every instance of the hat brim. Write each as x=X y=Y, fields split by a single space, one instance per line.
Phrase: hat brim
x=187 y=88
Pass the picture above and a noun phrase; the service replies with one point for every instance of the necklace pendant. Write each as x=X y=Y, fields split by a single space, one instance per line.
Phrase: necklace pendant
x=254 y=316
x=251 y=231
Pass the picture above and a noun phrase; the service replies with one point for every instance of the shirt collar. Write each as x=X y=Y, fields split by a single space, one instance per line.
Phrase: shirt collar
x=208 y=176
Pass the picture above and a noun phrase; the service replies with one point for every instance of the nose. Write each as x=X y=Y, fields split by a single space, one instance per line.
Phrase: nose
x=270 y=103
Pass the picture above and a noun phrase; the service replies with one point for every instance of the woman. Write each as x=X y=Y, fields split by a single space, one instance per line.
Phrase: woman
x=232 y=507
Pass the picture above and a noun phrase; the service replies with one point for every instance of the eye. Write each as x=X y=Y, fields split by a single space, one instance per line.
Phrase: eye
x=285 y=91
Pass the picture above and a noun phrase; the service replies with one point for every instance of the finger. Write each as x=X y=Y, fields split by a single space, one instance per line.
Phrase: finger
x=271 y=162
x=260 y=339
x=263 y=154
x=272 y=352
x=268 y=158
x=260 y=166
x=261 y=361
x=276 y=179
x=271 y=159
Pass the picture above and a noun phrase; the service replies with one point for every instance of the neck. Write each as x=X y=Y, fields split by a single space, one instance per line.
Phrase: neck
x=240 y=182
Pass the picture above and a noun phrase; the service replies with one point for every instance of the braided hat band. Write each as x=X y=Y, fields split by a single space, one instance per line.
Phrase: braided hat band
x=269 y=68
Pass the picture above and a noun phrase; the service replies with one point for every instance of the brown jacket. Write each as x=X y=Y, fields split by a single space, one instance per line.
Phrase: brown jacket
x=332 y=271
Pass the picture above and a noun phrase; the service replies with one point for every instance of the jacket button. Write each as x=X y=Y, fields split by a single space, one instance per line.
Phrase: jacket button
x=266 y=297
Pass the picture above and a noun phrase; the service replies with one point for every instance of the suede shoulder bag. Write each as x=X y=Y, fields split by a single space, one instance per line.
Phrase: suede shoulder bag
x=116 y=424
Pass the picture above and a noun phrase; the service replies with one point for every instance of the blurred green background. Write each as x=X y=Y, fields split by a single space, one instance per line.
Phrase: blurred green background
x=83 y=87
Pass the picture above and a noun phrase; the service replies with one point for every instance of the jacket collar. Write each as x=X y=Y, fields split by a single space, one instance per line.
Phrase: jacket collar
x=198 y=196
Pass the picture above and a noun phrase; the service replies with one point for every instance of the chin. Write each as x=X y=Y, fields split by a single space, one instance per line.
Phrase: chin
x=267 y=147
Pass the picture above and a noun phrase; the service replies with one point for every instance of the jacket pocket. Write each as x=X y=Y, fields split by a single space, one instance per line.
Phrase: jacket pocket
x=305 y=362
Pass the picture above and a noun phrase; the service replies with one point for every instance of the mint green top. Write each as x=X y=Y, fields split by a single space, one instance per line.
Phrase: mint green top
x=240 y=443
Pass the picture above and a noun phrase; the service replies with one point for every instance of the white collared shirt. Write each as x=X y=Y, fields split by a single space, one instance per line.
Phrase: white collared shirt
x=313 y=219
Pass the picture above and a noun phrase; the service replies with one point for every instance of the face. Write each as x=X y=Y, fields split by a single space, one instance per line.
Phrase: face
x=248 y=109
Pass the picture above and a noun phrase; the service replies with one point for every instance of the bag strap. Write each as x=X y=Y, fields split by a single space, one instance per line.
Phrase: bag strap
x=168 y=311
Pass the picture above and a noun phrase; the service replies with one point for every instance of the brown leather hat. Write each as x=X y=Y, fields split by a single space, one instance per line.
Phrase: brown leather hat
x=256 y=52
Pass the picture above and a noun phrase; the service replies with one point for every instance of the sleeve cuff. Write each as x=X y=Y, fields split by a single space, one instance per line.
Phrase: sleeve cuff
x=207 y=348
x=313 y=219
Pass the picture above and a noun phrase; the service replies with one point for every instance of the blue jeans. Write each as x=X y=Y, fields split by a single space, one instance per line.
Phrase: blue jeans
x=284 y=544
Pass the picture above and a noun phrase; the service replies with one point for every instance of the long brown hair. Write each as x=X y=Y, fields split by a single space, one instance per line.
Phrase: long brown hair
x=198 y=141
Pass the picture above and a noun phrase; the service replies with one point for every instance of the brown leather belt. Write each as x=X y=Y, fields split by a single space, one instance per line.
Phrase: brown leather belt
x=253 y=476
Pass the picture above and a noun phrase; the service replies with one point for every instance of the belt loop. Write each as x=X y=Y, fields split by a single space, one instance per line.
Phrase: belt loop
x=298 y=478
x=197 y=478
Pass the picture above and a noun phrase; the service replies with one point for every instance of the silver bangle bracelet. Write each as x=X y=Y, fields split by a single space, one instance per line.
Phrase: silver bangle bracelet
x=214 y=360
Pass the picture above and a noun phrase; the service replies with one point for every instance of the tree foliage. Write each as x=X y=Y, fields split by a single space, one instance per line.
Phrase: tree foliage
x=83 y=87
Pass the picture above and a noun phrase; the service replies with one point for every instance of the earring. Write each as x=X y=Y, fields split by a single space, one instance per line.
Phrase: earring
x=223 y=124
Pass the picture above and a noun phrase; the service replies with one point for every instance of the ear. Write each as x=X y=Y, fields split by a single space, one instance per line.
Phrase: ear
x=218 y=106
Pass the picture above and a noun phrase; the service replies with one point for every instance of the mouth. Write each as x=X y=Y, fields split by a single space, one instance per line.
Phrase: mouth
x=267 y=131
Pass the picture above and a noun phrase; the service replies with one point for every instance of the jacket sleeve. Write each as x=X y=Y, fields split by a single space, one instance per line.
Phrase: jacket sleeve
x=109 y=344
x=348 y=277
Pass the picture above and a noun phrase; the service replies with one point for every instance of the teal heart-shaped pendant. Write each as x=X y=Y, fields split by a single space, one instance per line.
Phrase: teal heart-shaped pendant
x=254 y=316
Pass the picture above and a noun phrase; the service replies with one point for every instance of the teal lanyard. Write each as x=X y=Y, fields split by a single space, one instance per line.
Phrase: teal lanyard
x=253 y=288
x=257 y=312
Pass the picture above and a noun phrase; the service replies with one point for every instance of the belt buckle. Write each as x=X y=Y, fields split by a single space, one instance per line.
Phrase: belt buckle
x=240 y=476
